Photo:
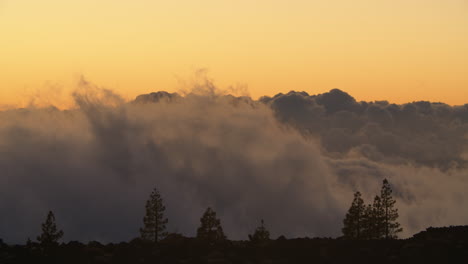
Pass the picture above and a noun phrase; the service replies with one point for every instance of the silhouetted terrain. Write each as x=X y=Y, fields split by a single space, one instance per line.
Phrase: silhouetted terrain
x=435 y=245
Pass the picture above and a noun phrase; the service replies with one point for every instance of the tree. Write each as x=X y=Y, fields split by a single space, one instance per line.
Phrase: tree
x=367 y=222
x=50 y=234
x=154 y=222
x=210 y=228
x=353 y=222
x=390 y=214
x=261 y=234
x=373 y=220
x=377 y=218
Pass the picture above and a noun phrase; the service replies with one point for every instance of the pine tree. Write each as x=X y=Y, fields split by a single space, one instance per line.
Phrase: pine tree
x=373 y=220
x=353 y=222
x=378 y=214
x=210 y=228
x=390 y=214
x=261 y=233
x=367 y=222
x=50 y=234
x=154 y=222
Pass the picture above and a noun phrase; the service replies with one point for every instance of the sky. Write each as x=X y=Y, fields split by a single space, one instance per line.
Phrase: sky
x=399 y=50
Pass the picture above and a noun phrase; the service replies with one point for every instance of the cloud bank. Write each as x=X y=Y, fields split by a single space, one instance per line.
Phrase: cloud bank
x=292 y=159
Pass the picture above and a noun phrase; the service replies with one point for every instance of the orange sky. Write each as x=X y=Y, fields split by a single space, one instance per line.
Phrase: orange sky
x=399 y=50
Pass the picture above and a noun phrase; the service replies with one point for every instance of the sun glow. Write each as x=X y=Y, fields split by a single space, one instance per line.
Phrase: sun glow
x=395 y=50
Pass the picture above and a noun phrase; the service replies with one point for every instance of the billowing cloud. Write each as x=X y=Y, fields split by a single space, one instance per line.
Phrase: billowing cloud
x=293 y=160
x=420 y=133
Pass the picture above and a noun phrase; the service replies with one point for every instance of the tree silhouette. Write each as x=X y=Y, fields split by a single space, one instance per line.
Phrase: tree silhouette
x=354 y=221
x=377 y=218
x=373 y=220
x=50 y=234
x=367 y=222
x=261 y=233
x=389 y=214
x=210 y=228
x=154 y=222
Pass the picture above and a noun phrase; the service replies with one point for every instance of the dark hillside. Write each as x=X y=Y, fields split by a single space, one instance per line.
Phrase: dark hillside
x=435 y=245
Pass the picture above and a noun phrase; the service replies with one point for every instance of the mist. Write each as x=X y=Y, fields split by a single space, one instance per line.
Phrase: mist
x=293 y=159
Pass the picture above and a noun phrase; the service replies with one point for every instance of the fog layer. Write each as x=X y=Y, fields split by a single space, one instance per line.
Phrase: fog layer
x=293 y=159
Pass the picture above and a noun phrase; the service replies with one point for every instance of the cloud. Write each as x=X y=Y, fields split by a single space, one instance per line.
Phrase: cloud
x=421 y=133
x=293 y=160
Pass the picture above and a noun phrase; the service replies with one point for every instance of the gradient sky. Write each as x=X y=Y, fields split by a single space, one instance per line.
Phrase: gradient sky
x=399 y=50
